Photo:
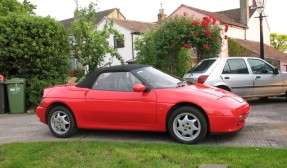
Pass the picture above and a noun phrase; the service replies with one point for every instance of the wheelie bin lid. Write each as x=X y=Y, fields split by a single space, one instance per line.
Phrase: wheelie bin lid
x=15 y=80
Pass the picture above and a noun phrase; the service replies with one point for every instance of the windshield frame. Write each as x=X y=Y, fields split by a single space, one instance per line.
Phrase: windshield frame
x=156 y=79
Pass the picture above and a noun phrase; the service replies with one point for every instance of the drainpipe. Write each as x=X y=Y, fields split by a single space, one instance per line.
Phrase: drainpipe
x=133 y=52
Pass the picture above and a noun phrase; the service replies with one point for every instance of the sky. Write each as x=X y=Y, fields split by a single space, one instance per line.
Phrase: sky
x=147 y=10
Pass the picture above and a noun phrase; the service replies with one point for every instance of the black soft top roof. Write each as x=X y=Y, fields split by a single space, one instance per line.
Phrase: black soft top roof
x=89 y=80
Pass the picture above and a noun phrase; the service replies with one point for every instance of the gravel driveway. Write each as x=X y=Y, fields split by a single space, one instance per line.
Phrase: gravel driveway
x=266 y=126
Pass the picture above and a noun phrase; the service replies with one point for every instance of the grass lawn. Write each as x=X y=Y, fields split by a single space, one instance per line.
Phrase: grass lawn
x=126 y=154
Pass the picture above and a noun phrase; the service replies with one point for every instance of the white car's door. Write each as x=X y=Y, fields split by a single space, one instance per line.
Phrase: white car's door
x=265 y=81
x=236 y=75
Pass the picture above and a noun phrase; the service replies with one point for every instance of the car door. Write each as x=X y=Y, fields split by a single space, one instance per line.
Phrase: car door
x=265 y=81
x=112 y=102
x=237 y=76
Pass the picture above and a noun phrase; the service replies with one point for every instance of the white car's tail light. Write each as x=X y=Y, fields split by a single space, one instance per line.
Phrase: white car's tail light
x=202 y=79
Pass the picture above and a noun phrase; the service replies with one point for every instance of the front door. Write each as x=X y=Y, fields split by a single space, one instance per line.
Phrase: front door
x=265 y=81
x=236 y=75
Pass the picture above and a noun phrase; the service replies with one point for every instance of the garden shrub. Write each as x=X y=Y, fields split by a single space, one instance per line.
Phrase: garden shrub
x=35 y=48
x=235 y=49
x=169 y=46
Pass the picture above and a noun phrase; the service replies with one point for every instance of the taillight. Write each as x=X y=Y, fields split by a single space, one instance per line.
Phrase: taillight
x=202 y=79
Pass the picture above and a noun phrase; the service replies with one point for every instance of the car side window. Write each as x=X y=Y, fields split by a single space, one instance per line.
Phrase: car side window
x=260 y=67
x=116 y=81
x=235 y=66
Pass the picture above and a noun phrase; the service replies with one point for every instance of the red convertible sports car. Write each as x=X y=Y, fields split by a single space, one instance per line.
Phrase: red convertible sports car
x=140 y=97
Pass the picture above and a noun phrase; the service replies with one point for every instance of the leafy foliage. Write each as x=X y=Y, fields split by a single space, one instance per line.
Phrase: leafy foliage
x=13 y=6
x=279 y=41
x=34 y=48
x=168 y=47
x=235 y=49
x=90 y=45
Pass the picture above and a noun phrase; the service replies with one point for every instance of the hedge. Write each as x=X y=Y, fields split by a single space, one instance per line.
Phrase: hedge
x=35 y=48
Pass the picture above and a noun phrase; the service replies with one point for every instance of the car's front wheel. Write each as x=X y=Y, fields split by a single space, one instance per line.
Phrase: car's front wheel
x=187 y=125
x=61 y=122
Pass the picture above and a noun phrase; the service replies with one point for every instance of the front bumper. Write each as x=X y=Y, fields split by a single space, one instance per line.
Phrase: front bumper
x=41 y=113
x=232 y=122
x=226 y=124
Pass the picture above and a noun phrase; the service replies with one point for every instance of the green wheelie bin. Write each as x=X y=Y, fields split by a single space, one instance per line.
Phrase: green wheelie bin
x=16 y=94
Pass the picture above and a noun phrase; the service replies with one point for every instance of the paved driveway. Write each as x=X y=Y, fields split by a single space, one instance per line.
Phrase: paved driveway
x=266 y=126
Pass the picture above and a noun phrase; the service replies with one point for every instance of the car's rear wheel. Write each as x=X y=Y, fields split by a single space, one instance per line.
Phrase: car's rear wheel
x=263 y=98
x=224 y=88
x=187 y=125
x=61 y=122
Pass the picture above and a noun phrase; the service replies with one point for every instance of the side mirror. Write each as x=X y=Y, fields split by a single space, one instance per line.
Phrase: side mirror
x=275 y=71
x=139 y=88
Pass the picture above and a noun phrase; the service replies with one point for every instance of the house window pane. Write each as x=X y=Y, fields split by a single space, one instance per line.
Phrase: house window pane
x=118 y=43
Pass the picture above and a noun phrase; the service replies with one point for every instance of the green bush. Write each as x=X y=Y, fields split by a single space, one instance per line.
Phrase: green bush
x=34 y=48
x=168 y=47
x=235 y=49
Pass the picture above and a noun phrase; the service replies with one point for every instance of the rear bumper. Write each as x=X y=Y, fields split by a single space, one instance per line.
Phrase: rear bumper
x=41 y=113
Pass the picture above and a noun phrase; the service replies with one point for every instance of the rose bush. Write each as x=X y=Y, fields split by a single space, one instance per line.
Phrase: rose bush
x=162 y=47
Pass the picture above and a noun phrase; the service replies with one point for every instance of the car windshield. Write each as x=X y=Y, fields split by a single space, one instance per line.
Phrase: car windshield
x=158 y=79
x=203 y=66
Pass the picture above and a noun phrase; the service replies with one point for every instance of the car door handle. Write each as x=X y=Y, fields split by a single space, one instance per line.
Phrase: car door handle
x=226 y=77
x=257 y=77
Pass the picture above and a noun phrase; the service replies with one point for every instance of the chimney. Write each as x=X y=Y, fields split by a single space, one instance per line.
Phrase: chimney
x=161 y=16
x=244 y=11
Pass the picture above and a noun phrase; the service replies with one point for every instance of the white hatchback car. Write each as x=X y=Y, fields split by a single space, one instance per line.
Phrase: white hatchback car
x=247 y=77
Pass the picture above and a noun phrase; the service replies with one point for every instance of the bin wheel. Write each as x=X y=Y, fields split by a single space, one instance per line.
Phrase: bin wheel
x=61 y=122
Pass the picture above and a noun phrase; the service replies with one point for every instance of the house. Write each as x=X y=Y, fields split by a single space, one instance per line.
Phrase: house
x=244 y=27
x=110 y=13
x=130 y=30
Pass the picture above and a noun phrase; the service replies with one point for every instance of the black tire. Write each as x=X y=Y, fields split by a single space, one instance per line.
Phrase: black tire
x=263 y=98
x=224 y=88
x=193 y=127
x=61 y=122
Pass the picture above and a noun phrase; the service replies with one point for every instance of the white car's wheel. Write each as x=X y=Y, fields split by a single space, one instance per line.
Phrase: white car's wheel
x=187 y=125
x=61 y=122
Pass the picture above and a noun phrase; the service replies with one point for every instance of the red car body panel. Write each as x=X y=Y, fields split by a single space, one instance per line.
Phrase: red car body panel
x=96 y=109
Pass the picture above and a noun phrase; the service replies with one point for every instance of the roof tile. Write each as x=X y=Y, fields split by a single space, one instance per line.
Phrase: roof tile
x=223 y=18
x=136 y=26
x=269 y=52
x=234 y=14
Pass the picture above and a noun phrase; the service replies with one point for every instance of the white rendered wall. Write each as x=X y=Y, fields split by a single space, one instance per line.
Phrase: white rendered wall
x=253 y=31
x=126 y=51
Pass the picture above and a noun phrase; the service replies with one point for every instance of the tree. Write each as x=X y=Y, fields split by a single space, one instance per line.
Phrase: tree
x=90 y=45
x=13 y=6
x=279 y=41
x=168 y=46
x=34 y=48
